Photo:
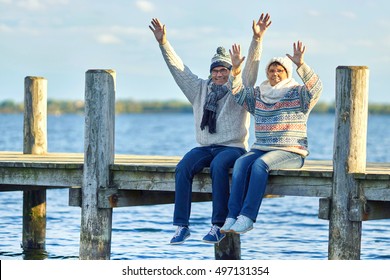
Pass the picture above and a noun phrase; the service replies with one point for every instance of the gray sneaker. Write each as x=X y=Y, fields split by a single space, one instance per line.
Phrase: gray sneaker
x=227 y=225
x=242 y=225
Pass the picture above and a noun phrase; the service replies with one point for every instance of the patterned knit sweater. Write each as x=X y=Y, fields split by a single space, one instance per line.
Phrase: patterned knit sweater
x=283 y=125
x=232 y=125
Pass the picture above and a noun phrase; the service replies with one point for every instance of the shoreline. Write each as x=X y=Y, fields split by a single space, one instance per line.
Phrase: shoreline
x=60 y=107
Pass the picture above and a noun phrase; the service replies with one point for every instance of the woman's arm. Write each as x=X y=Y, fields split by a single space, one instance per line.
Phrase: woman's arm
x=251 y=68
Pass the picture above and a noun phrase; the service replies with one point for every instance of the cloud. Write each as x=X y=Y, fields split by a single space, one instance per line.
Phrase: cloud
x=144 y=5
x=383 y=23
x=17 y=31
x=129 y=30
x=108 y=39
x=30 y=5
x=5 y=28
x=37 y=5
x=314 y=13
x=348 y=14
x=363 y=43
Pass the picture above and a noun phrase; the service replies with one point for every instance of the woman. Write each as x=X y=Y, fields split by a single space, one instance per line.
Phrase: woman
x=280 y=107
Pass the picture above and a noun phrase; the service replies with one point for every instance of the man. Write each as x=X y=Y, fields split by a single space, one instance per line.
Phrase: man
x=221 y=131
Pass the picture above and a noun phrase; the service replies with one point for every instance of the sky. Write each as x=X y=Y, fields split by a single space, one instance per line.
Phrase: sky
x=62 y=39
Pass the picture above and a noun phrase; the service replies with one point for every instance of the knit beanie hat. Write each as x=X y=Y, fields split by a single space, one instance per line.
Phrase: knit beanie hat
x=284 y=61
x=221 y=58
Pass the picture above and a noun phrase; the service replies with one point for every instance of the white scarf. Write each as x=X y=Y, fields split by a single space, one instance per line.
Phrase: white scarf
x=272 y=94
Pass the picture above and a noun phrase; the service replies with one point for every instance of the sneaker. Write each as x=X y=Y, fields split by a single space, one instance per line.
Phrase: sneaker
x=181 y=234
x=227 y=225
x=242 y=225
x=214 y=236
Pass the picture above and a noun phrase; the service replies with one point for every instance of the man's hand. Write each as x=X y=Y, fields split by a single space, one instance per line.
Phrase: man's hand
x=159 y=31
x=260 y=27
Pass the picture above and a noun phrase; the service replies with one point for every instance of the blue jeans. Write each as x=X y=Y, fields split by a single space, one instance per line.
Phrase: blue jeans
x=220 y=159
x=250 y=176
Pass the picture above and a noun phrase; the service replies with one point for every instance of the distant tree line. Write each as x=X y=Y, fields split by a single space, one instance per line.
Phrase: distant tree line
x=58 y=107
x=127 y=106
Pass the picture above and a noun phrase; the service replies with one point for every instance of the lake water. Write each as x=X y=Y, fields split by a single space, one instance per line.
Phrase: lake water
x=287 y=227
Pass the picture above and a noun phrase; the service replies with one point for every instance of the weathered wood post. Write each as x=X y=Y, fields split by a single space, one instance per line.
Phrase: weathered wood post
x=349 y=156
x=96 y=223
x=34 y=142
x=229 y=248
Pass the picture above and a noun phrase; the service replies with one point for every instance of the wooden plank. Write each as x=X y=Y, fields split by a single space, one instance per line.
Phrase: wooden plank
x=375 y=210
x=113 y=198
x=319 y=168
x=45 y=177
x=375 y=189
x=359 y=210
x=11 y=188
x=277 y=185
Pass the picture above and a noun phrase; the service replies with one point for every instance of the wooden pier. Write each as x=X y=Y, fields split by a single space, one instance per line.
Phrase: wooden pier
x=350 y=190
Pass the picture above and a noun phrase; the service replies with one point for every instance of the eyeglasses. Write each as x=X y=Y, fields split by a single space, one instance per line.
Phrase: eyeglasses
x=223 y=71
x=279 y=71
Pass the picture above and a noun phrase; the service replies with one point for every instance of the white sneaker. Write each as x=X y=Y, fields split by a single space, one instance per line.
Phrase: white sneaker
x=242 y=225
x=227 y=225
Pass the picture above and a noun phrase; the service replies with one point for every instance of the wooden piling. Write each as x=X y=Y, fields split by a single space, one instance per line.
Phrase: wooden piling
x=349 y=156
x=35 y=116
x=229 y=248
x=34 y=142
x=96 y=223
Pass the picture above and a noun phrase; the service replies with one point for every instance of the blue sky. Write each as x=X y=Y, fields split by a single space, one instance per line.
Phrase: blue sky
x=62 y=39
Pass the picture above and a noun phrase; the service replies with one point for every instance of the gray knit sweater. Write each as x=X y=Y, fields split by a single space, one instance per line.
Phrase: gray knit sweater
x=232 y=119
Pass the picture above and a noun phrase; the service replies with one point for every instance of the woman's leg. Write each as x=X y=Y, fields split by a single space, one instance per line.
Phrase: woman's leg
x=240 y=179
x=259 y=178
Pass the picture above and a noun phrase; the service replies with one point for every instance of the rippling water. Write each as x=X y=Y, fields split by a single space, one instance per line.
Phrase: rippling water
x=287 y=227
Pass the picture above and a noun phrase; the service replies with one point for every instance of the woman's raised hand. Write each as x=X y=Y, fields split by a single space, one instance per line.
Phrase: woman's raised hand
x=299 y=52
x=237 y=59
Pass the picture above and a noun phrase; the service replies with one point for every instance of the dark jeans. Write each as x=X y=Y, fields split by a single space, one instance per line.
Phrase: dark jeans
x=220 y=159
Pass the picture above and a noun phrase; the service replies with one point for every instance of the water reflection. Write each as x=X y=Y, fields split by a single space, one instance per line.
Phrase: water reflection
x=35 y=254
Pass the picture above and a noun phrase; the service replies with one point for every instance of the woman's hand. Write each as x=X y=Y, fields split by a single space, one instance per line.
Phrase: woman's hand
x=237 y=60
x=299 y=52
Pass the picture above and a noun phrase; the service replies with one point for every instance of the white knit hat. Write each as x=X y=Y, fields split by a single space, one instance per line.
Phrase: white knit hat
x=221 y=58
x=284 y=61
